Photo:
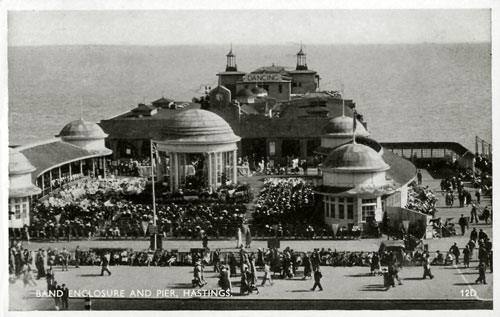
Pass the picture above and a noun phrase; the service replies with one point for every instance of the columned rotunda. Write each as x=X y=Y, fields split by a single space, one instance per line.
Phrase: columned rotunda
x=201 y=147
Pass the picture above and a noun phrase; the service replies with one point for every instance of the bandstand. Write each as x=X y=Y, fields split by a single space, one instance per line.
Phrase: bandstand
x=200 y=146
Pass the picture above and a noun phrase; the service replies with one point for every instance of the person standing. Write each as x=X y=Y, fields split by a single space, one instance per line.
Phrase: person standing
x=419 y=177
x=64 y=297
x=216 y=260
x=427 y=267
x=317 y=279
x=248 y=239
x=463 y=223
x=205 y=241
x=486 y=214
x=307 y=267
x=238 y=238
x=88 y=303
x=245 y=278
x=232 y=264
x=77 y=256
x=64 y=259
x=473 y=214
x=482 y=274
x=105 y=264
x=478 y=195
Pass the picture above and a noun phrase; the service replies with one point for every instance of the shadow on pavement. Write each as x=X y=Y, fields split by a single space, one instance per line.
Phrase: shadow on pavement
x=360 y=275
x=91 y=275
x=412 y=279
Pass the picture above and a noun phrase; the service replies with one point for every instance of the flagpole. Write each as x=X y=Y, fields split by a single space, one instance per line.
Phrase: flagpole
x=153 y=189
x=354 y=126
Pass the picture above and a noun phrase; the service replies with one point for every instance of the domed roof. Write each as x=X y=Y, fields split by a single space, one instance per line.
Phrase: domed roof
x=245 y=93
x=355 y=157
x=18 y=163
x=343 y=126
x=259 y=90
x=82 y=130
x=198 y=126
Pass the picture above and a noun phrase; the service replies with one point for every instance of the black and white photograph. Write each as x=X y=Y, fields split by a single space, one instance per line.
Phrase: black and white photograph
x=248 y=158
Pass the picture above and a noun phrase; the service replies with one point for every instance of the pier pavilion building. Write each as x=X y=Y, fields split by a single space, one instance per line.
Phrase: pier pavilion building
x=78 y=151
x=21 y=189
x=201 y=146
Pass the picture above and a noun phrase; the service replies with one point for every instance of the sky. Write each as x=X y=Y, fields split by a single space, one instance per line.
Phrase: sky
x=182 y=27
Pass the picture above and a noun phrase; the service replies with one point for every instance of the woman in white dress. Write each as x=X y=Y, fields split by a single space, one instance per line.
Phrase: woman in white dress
x=238 y=238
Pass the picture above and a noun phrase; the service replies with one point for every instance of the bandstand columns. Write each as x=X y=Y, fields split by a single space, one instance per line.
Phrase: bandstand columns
x=235 y=168
x=176 y=174
x=171 y=171
x=209 y=169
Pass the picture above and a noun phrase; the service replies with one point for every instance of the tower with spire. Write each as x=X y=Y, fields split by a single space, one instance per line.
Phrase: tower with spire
x=301 y=59
x=231 y=61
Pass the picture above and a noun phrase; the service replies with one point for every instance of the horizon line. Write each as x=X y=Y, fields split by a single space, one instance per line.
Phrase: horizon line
x=253 y=44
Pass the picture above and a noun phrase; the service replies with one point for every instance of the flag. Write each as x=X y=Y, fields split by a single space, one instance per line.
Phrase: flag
x=155 y=151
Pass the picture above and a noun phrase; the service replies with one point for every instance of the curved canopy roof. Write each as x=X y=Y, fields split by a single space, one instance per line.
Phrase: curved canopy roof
x=18 y=163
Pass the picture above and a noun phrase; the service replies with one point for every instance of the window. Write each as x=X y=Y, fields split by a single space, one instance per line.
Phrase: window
x=272 y=148
x=350 y=211
x=341 y=211
x=17 y=211
x=333 y=207
x=280 y=88
x=368 y=207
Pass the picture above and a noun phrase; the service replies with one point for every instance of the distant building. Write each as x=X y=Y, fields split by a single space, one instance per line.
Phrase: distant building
x=277 y=82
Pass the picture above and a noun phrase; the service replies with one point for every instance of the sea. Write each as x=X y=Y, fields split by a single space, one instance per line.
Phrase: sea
x=406 y=92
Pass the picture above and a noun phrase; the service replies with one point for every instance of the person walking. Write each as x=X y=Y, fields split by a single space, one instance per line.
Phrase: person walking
x=427 y=267
x=478 y=195
x=225 y=280
x=482 y=274
x=267 y=274
x=198 y=275
x=105 y=264
x=317 y=279
x=456 y=252
x=466 y=253
x=375 y=264
x=463 y=223
x=473 y=234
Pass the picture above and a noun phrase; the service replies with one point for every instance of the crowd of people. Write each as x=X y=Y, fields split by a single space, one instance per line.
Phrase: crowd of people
x=285 y=208
x=421 y=199
x=114 y=208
